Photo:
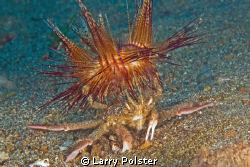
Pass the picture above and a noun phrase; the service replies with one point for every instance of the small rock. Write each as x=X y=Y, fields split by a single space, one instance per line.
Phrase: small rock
x=242 y=90
x=229 y=134
x=33 y=137
x=25 y=143
x=65 y=145
x=44 y=148
x=10 y=148
x=1 y=132
x=42 y=163
x=4 y=82
x=207 y=88
x=145 y=145
x=3 y=157
x=245 y=102
x=247 y=42
x=63 y=148
x=112 y=137
x=229 y=57
x=11 y=94
x=115 y=147
x=204 y=152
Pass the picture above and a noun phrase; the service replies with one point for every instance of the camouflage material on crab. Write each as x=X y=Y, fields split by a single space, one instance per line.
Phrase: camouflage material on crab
x=107 y=69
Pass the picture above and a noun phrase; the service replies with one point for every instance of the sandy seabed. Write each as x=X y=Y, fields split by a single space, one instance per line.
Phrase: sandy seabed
x=217 y=71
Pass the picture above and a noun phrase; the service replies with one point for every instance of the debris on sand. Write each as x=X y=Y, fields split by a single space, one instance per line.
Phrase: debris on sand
x=4 y=156
x=233 y=155
x=42 y=163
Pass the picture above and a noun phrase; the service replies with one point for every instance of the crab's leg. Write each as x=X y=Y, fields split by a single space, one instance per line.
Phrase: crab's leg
x=88 y=141
x=67 y=127
x=192 y=108
x=152 y=124
x=127 y=138
x=96 y=104
x=181 y=109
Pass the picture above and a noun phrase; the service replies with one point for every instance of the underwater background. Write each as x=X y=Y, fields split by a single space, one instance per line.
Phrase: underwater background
x=217 y=70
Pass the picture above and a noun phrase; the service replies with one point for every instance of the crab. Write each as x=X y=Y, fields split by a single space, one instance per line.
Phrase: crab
x=116 y=118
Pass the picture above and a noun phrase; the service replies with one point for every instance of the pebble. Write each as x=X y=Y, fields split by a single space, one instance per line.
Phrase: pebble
x=112 y=137
x=207 y=88
x=242 y=90
x=115 y=147
x=11 y=94
x=44 y=148
x=33 y=137
x=229 y=134
x=63 y=148
x=229 y=57
x=247 y=42
x=65 y=145
x=204 y=151
x=3 y=156
x=42 y=163
x=25 y=143
x=1 y=133
x=145 y=145
x=245 y=102
x=10 y=148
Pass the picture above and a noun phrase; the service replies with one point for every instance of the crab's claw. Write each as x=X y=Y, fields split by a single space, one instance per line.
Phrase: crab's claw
x=78 y=148
x=127 y=138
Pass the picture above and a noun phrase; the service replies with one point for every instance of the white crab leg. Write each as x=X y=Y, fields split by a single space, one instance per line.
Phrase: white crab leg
x=152 y=124
x=153 y=129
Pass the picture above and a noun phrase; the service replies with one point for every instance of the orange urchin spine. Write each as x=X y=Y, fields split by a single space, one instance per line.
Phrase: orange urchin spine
x=108 y=69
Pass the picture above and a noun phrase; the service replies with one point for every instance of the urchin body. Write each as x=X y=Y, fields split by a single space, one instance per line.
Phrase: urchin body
x=106 y=69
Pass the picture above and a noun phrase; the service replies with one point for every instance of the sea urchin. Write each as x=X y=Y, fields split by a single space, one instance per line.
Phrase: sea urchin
x=107 y=69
